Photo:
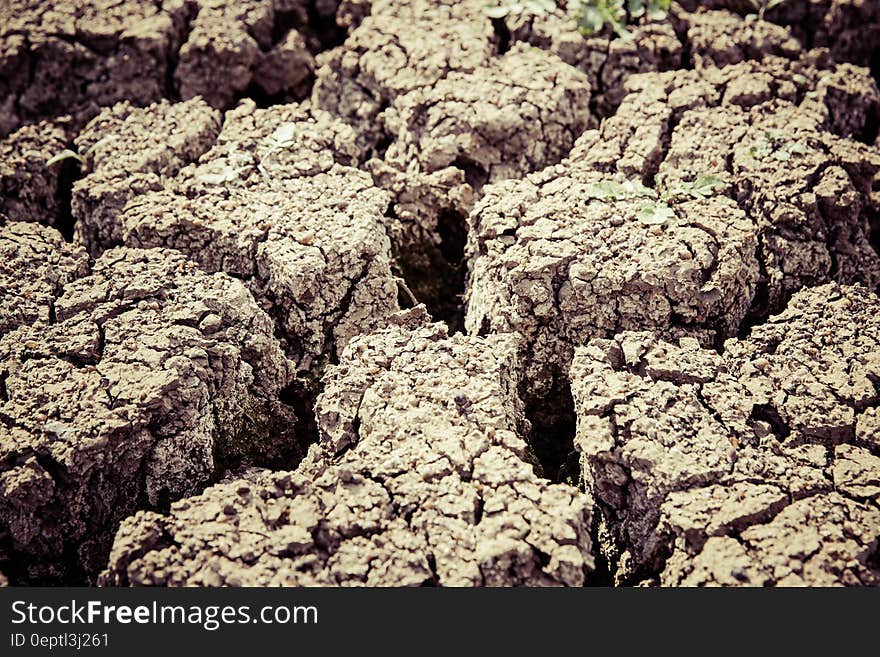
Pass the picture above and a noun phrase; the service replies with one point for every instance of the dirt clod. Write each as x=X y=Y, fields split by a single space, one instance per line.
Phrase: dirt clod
x=121 y=401
x=130 y=151
x=421 y=477
x=278 y=203
x=744 y=467
x=29 y=184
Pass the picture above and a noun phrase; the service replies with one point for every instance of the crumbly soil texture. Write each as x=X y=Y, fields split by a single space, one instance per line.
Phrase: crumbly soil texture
x=413 y=293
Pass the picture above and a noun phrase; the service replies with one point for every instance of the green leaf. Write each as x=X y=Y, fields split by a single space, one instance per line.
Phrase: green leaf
x=705 y=186
x=658 y=10
x=635 y=188
x=590 y=20
x=655 y=214
x=620 y=30
x=66 y=154
x=637 y=8
x=618 y=191
x=283 y=134
x=496 y=12
x=602 y=190
x=540 y=6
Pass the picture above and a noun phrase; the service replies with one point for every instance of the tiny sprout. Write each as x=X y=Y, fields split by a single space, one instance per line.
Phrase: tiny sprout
x=656 y=211
x=702 y=187
x=618 y=191
x=66 y=154
x=762 y=6
x=655 y=214
x=776 y=145
x=593 y=15
x=516 y=7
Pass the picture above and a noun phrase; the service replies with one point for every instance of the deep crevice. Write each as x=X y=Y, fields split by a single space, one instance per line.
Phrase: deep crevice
x=474 y=175
x=502 y=34
x=874 y=64
x=69 y=173
x=602 y=574
x=301 y=396
x=436 y=273
x=553 y=424
x=171 y=89
x=868 y=134
x=322 y=31
x=265 y=100
x=874 y=229
x=769 y=414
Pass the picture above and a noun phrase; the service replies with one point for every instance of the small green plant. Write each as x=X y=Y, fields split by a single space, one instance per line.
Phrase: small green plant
x=777 y=145
x=656 y=210
x=701 y=187
x=762 y=6
x=618 y=191
x=593 y=15
x=515 y=7
x=69 y=154
x=66 y=154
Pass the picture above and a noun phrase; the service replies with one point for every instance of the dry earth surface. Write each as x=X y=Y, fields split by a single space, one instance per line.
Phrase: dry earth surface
x=393 y=292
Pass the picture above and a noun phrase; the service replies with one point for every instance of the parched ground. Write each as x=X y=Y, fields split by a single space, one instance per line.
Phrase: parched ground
x=755 y=467
x=130 y=381
x=420 y=475
x=409 y=292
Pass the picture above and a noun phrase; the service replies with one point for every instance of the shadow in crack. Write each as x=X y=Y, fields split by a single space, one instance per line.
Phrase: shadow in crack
x=552 y=435
x=435 y=274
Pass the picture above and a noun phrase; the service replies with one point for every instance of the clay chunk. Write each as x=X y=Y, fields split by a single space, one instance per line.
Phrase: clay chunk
x=720 y=37
x=35 y=265
x=29 y=188
x=421 y=476
x=81 y=55
x=400 y=46
x=150 y=379
x=278 y=203
x=234 y=45
x=129 y=151
x=740 y=468
x=559 y=261
x=707 y=201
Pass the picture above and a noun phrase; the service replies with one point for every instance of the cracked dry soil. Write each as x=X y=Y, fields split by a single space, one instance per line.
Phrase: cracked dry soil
x=383 y=293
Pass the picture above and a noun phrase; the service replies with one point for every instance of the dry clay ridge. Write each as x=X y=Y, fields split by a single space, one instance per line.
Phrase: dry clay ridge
x=390 y=292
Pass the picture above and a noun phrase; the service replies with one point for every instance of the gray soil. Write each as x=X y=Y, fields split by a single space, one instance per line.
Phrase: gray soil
x=421 y=476
x=390 y=292
x=755 y=467
x=130 y=382
x=560 y=259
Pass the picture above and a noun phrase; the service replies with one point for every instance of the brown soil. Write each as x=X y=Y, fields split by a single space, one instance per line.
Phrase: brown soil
x=639 y=337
